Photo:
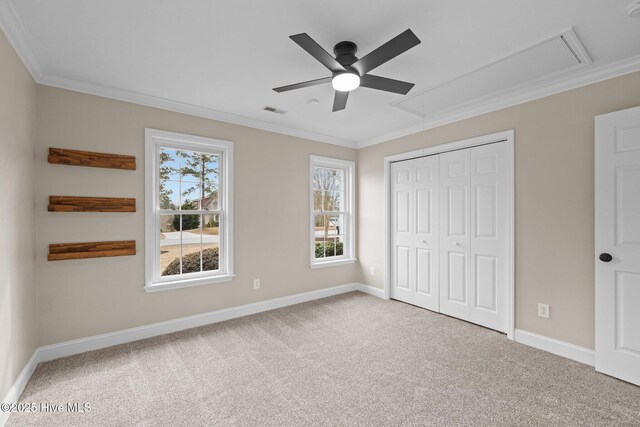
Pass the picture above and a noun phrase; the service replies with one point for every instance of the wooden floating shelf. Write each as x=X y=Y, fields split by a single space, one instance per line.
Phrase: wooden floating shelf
x=62 y=251
x=91 y=204
x=62 y=156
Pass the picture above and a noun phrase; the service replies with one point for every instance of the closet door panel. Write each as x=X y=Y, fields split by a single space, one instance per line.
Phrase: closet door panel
x=457 y=278
x=403 y=225
x=489 y=233
x=425 y=241
x=454 y=233
x=486 y=282
x=423 y=271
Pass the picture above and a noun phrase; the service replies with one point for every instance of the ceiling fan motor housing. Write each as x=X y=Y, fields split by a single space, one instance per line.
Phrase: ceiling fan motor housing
x=345 y=53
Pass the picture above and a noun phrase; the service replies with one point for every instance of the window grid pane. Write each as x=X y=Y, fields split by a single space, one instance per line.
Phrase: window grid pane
x=210 y=243
x=169 y=247
x=330 y=204
x=188 y=201
x=329 y=235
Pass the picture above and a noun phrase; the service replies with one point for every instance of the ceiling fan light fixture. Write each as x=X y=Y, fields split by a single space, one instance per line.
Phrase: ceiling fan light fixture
x=345 y=82
x=348 y=72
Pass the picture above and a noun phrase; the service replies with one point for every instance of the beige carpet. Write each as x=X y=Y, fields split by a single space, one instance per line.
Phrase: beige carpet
x=346 y=360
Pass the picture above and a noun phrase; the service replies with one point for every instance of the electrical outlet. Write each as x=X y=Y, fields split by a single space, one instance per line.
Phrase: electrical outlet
x=543 y=310
x=372 y=271
x=256 y=283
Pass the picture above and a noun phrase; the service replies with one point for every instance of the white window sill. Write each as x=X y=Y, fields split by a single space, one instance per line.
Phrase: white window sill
x=333 y=263
x=178 y=284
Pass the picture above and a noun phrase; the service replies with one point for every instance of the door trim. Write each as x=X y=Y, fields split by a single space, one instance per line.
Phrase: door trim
x=508 y=137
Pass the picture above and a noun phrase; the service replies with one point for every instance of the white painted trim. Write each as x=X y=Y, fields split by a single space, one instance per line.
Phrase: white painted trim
x=18 y=386
x=349 y=249
x=491 y=138
x=96 y=342
x=371 y=290
x=552 y=345
x=14 y=31
x=568 y=37
x=188 y=283
x=405 y=156
x=575 y=44
x=185 y=108
x=511 y=193
x=588 y=75
x=508 y=137
x=333 y=263
x=387 y=223
x=158 y=138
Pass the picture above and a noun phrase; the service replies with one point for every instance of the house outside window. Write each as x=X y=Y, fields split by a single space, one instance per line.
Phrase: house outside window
x=189 y=220
x=332 y=211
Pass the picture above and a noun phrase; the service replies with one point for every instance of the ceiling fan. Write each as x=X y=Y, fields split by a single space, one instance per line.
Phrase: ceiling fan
x=349 y=72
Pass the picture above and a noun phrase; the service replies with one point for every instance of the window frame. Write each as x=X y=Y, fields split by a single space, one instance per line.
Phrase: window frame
x=348 y=256
x=154 y=139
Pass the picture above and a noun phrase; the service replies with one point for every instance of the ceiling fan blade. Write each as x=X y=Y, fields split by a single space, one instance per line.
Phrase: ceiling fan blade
x=315 y=50
x=387 y=51
x=383 y=83
x=340 y=101
x=303 y=84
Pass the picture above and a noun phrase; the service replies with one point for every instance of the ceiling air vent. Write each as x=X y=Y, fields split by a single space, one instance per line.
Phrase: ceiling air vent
x=274 y=110
x=536 y=64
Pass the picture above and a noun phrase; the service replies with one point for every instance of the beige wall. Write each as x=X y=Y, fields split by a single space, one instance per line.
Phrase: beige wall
x=18 y=337
x=86 y=297
x=554 y=212
x=554 y=168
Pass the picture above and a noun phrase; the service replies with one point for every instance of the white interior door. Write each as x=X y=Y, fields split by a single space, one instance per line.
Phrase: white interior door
x=402 y=220
x=415 y=231
x=618 y=244
x=425 y=242
x=474 y=235
x=451 y=231
x=454 y=233
x=489 y=256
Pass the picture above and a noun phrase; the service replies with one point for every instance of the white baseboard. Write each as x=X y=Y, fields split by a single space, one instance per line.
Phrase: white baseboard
x=18 y=387
x=560 y=348
x=96 y=342
x=371 y=290
x=68 y=348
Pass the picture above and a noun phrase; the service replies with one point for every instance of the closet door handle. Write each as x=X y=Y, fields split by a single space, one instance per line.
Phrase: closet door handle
x=457 y=244
x=425 y=242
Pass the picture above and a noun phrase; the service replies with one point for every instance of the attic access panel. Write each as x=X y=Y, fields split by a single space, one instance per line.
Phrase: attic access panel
x=549 y=58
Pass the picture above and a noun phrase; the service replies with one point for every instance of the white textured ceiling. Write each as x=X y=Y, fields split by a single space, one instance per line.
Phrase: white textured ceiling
x=228 y=55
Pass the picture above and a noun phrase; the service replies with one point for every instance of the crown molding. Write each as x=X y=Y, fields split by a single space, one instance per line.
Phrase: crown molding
x=14 y=31
x=520 y=95
x=12 y=27
x=181 y=107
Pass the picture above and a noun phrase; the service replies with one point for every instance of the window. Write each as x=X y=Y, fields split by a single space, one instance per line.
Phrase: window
x=189 y=221
x=332 y=211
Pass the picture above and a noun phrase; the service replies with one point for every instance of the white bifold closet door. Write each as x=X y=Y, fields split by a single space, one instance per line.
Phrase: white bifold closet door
x=450 y=243
x=474 y=235
x=415 y=231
